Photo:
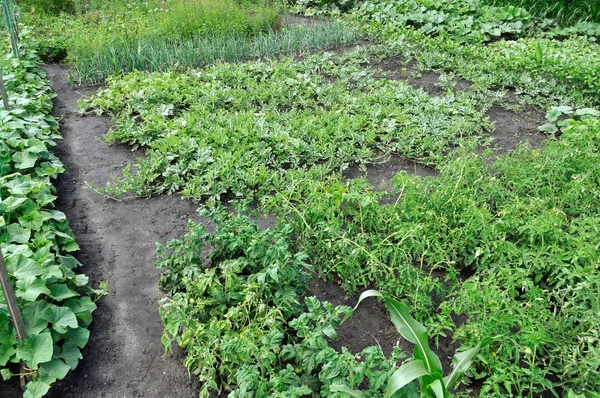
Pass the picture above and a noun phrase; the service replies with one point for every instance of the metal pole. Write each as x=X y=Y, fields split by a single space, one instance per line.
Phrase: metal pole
x=3 y=92
x=13 y=310
x=11 y=302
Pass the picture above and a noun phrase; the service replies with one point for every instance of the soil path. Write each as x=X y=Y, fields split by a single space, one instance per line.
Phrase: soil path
x=124 y=357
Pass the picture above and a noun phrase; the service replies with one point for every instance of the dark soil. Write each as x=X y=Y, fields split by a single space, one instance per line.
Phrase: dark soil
x=428 y=81
x=380 y=174
x=514 y=128
x=370 y=325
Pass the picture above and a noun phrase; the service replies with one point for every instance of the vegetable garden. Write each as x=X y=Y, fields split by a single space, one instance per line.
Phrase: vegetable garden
x=433 y=163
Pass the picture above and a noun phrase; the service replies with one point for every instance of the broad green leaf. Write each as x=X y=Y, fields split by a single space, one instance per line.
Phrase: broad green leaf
x=413 y=331
x=34 y=220
x=36 y=349
x=587 y=111
x=463 y=360
x=12 y=203
x=347 y=390
x=61 y=292
x=36 y=146
x=24 y=160
x=408 y=372
x=52 y=272
x=71 y=354
x=32 y=316
x=53 y=370
x=17 y=234
x=30 y=288
x=82 y=308
x=70 y=246
x=79 y=336
x=23 y=267
x=438 y=388
x=61 y=318
x=81 y=280
x=549 y=128
x=36 y=389
x=69 y=261
x=6 y=374
x=573 y=394
x=21 y=186
x=6 y=352
x=57 y=215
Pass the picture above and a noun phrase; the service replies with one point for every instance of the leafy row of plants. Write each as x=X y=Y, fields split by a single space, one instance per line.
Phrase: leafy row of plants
x=55 y=301
x=566 y=12
x=239 y=314
x=251 y=129
x=159 y=36
x=546 y=70
x=465 y=20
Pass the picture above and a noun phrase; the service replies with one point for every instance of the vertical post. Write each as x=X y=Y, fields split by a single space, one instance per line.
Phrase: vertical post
x=13 y=309
x=3 y=92
x=11 y=301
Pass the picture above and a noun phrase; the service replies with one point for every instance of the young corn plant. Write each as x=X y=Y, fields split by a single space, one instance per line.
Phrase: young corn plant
x=425 y=365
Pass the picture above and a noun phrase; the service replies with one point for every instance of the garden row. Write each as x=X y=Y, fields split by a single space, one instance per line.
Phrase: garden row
x=55 y=302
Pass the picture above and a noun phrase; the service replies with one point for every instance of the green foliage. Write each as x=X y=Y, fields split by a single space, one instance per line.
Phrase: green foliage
x=566 y=12
x=254 y=128
x=186 y=19
x=467 y=20
x=580 y=28
x=50 y=35
x=54 y=301
x=563 y=72
x=529 y=232
x=318 y=7
x=239 y=316
x=198 y=51
x=47 y=6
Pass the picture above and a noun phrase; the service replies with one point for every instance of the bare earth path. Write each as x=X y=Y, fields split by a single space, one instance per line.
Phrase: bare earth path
x=124 y=357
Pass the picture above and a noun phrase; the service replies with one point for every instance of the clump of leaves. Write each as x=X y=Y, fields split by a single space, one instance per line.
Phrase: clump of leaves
x=239 y=315
x=466 y=20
